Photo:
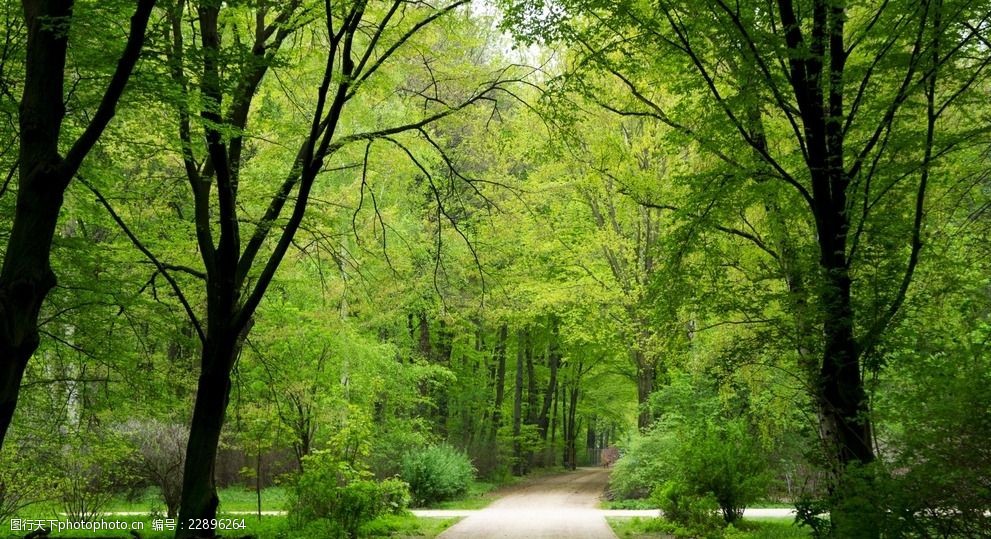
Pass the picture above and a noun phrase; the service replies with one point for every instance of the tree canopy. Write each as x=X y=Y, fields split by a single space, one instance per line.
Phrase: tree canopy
x=742 y=244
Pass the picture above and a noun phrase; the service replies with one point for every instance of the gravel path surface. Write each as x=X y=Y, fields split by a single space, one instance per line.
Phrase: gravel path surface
x=557 y=506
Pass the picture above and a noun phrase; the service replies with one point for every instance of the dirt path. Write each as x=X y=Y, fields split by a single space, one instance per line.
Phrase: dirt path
x=556 y=506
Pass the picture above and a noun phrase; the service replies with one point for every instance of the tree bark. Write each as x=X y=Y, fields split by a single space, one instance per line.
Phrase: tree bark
x=489 y=438
x=500 y=385
x=531 y=385
x=442 y=355
x=518 y=466
x=646 y=377
x=26 y=277
x=591 y=437
x=553 y=360
x=571 y=430
x=199 y=489
x=551 y=448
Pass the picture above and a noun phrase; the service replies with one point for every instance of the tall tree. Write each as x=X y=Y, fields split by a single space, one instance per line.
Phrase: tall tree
x=355 y=41
x=44 y=173
x=856 y=98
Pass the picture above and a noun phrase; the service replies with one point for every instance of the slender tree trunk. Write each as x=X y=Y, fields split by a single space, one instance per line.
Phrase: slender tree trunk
x=466 y=408
x=554 y=420
x=426 y=352
x=553 y=360
x=564 y=425
x=442 y=356
x=258 y=482
x=500 y=389
x=532 y=411
x=590 y=438
x=423 y=341
x=571 y=431
x=531 y=385
x=518 y=405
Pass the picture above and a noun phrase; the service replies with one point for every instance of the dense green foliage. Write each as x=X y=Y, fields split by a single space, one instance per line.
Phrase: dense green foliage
x=701 y=453
x=643 y=528
x=436 y=473
x=744 y=245
x=331 y=499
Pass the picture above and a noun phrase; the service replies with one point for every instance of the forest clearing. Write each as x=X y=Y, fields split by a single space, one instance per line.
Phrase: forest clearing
x=511 y=268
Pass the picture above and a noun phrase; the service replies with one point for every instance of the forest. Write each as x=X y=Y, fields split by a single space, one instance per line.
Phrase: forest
x=306 y=264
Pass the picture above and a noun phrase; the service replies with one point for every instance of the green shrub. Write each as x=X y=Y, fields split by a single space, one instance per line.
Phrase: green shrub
x=703 y=442
x=19 y=483
x=437 y=473
x=814 y=514
x=332 y=499
x=934 y=472
x=725 y=461
x=644 y=465
x=684 y=505
x=914 y=502
x=721 y=460
x=91 y=468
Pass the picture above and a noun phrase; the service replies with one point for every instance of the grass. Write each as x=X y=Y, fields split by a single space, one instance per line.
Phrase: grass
x=773 y=504
x=637 y=503
x=750 y=528
x=268 y=527
x=645 y=503
x=232 y=499
x=406 y=526
x=241 y=499
x=479 y=494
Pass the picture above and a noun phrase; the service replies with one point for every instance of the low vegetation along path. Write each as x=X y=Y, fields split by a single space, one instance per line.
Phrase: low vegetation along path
x=550 y=507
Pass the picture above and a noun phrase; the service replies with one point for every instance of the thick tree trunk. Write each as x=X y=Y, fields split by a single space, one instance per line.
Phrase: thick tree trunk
x=199 y=489
x=25 y=281
x=842 y=399
x=842 y=405
x=646 y=377
x=15 y=359
x=26 y=276
x=43 y=175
